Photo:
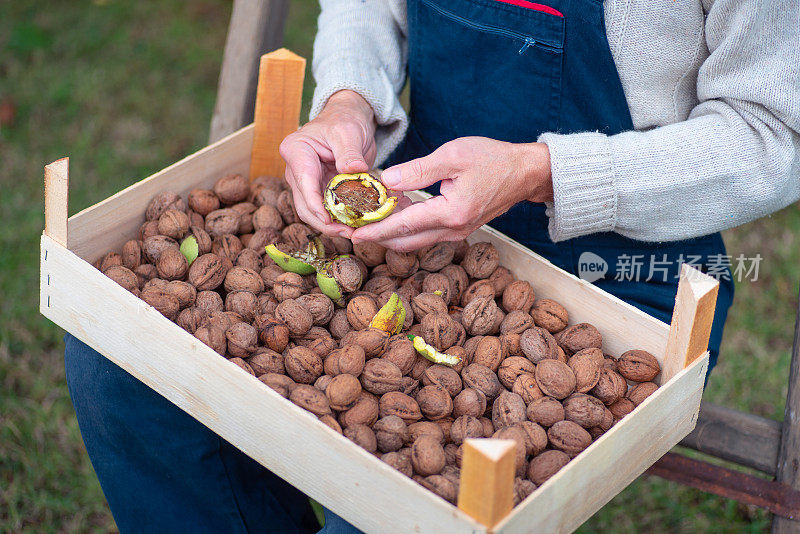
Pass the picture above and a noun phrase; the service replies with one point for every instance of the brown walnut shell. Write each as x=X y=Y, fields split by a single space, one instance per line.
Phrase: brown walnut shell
x=480 y=316
x=124 y=277
x=364 y=412
x=401 y=462
x=281 y=384
x=439 y=330
x=586 y=365
x=402 y=264
x=343 y=392
x=391 y=433
x=360 y=311
x=638 y=366
x=545 y=465
x=579 y=337
x=442 y=375
x=232 y=188
x=437 y=282
x=545 y=411
x=265 y=361
x=295 y=316
x=303 y=365
x=516 y=322
x=427 y=456
x=518 y=295
x=222 y=222
x=481 y=260
x=555 y=378
x=500 y=279
x=465 y=427
x=213 y=337
x=203 y=201
x=479 y=288
x=483 y=379
x=470 y=401
x=511 y=368
x=401 y=405
x=207 y=272
x=434 y=402
x=173 y=223
x=538 y=344
x=535 y=437
x=583 y=409
x=489 y=352
x=242 y=339
x=610 y=387
x=161 y=203
x=436 y=257
x=154 y=246
x=526 y=387
x=288 y=286
x=381 y=376
x=550 y=315
x=569 y=437
x=508 y=409
x=311 y=399
x=243 y=279
x=132 y=254
x=640 y=392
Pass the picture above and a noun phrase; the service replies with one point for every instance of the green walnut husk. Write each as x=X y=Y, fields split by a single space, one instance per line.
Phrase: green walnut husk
x=391 y=316
x=337 y=277
x=299 y=262
x=428 y=351
x=355 y=213
x=190 y=249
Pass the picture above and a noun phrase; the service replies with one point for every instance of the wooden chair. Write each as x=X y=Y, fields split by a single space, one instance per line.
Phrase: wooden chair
x=768 y=446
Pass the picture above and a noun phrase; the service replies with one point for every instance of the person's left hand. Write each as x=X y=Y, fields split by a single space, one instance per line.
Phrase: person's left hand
x=481 y=179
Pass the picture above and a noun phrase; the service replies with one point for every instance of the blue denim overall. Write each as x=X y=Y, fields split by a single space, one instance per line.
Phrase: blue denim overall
x=477 y=67
x=511 y=72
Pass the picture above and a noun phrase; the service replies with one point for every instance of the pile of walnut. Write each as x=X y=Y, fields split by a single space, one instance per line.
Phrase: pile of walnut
x=524 y=373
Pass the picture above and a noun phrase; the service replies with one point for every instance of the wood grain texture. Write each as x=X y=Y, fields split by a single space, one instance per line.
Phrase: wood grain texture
x=789 y=456
x=691 y=320
x=256 y=27
x=739 y=437
x=486 y=491
x=56 y=200
x=286 y=439
x=612 y=462
x=109 y=224
x=278 y=101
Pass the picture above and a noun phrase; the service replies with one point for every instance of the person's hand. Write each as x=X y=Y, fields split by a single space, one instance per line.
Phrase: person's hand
x=481 y=179
x=340 y=139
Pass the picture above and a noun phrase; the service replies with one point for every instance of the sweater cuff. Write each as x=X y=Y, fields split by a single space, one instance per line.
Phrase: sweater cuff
x=375 y=87
x=584 y=196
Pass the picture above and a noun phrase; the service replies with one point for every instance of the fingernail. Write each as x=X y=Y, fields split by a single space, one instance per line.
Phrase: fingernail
x=390 y=177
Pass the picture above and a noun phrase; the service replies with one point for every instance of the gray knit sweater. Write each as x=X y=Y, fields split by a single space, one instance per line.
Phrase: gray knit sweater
x=713 y=87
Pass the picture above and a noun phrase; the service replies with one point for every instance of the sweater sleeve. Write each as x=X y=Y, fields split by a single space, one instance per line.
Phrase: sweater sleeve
x=361 y=45
x=734 y=159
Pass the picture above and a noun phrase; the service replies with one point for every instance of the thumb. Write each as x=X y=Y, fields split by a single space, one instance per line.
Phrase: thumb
x=416 y=174
x=348 y=154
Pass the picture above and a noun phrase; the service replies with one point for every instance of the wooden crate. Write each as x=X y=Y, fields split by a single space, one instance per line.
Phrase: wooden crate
x=292 y=442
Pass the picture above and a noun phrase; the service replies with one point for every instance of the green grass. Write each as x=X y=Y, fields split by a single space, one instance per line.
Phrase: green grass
x=126 y=88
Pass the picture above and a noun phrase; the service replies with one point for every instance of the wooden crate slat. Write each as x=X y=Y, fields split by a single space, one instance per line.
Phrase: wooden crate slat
x=613 y=461
x=288 y=440
x=108 y=224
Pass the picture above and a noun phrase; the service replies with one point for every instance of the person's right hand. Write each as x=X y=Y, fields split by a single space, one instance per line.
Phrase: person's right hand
x=341 y=139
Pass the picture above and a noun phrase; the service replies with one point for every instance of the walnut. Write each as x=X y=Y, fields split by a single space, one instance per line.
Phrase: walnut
x=550 y=315
x=436 y=257
x=203 y=201
x=331 y=422
x=522 y=488
x=227 y=246
x=480 y=288
x=269 y=274
x=481 y=260
x=161 y=300
x=272 y=332
x=500 y=278
x=520 y=442
x=610 y=387
x=370 y=253
x=621 y=408
x=438 y=282
x=242 y=365
x=511 y=368
x=441 y=486
x=296 y=317
x=508 y=409
x=579 y=337
x=242 y=303
x=242 y=339
x=545 y=411
x=586 y=366
x=569 y=437
x=379 y=284
x=425 y=428
x=470 y=401
x=480 y=315
x=190 y=319
x=489 y=353
x=538 y=344
x=296 y=235
x=347 y=273
x=265 y=361
x=124 y=277
x=481 y=378
x=426 y=303
x=250 y=259
x=348 y=360
x=343 y=392
x=401 y=405
x=213 y=337
x=488 y=427
x=144 y=273
x=204 y=242
x=535 y=437
x=207 y=272
x=360 y=311
x=311 y=399
x=640 y=392
x=381 y=376
x=464 y=427
x=400 y=351
x=278 y=382
x=518 y=295
x=458 y=279
x=516 y=322
x=427 y=456
x=323 y=345
x=148 y=229
x=320 y=307
x=288 y=286
x=545 y=465
x=222 y=221
x=244 y=279
x=372 y=340
x=439 y=330
x=183 y=291
x=414 y=281
x=364 y=412
x=339 y=326
x=555 y=378
x=232 y=189
x=442 y=375
x=583 y=409
x=267 y=216
x=303 y=365
x=161 y=203
x=154 y=246
x=399 y=461
x=638 y=366
x=460 y=353
x=208 y=302
x=173 y=223
x=435 y=402
x=391 y=433
x=525 y=386
x=131 y=254
x=401 y=263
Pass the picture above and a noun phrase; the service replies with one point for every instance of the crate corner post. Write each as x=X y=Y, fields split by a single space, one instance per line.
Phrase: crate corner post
x=277 y=111
x=487 y=480
x=691 y=323
x=56 y=200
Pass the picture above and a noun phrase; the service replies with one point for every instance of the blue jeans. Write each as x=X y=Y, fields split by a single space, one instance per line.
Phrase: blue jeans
x=163 y=471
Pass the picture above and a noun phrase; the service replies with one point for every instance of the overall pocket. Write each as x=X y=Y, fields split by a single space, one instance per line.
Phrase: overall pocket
x=493 y=70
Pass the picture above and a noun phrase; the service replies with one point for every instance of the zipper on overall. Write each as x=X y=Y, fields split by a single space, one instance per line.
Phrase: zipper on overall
x=527 y=40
